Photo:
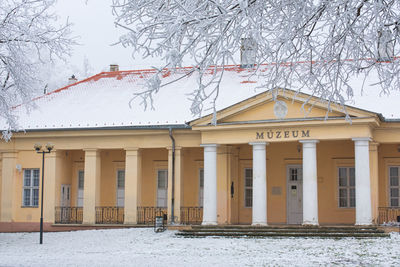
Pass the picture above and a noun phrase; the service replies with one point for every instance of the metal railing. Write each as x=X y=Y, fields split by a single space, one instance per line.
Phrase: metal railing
x=109 y=215
x=191 y=215
x=68 y=215
x=147 y=215
x=388 y=214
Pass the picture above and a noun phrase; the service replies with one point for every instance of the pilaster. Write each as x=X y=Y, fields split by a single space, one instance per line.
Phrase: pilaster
x=8 y=176
x=51 y=184
x=133 y=178
x=91 y=191
x=223 y=183
x=374 y=172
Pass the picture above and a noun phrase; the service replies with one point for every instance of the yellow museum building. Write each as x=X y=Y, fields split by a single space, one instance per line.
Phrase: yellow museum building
x=268 y=157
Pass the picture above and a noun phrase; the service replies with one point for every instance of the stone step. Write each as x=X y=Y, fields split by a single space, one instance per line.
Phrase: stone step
x=280 y=234
x=337 y=228
x=281 y=230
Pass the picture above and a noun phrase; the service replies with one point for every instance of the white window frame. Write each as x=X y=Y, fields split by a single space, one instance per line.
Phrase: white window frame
x=346 y=187
x=247 y=187
x=166 y=188
x=201 y=187
x=390 y=186
x=118 y=188
x=31 y=187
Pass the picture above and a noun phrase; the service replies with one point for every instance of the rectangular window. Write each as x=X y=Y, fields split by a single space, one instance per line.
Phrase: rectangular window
x=394 y=186
x=347 y=190
x=162 y=188
x=248 y=187
x=201 y=187
x=30 y=196
x=120 y=188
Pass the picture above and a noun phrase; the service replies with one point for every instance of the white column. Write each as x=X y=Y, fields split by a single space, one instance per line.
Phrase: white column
x=259 y=211
x=310 y=186
x=363 y=188
x=210 y=185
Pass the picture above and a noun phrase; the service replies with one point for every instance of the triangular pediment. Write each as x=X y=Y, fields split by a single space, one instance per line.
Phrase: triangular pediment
x=282 y=105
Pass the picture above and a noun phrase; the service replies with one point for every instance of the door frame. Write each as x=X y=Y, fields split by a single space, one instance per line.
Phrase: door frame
x=77 y=187
x=288 y=166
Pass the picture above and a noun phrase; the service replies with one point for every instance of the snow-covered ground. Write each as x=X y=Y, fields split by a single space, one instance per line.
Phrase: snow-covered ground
x=143 y=247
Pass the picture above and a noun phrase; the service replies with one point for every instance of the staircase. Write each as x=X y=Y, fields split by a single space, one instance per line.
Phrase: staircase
x=282 y=231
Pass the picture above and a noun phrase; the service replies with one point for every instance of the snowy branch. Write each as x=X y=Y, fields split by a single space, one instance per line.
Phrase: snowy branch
x=315 y=44
x=27 y=40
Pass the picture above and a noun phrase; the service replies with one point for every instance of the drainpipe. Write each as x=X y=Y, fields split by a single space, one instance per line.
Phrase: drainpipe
x=173 y=178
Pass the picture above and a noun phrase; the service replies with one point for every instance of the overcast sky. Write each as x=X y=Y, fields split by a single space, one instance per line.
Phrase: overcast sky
x=94 y=27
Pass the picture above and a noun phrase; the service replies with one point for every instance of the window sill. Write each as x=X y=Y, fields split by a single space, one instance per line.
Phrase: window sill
x=29 y=207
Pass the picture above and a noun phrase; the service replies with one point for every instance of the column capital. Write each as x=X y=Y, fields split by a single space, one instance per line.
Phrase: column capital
x=309 y=141
x=224 y=149
x=259 y=143
x=361 y=139
x=91 y=152
x=132 y=148
x=209 y=145
x=53 y=154
x=132 y=151
x=373 y=146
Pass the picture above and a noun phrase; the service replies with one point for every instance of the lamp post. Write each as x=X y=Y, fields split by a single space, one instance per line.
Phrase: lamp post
x=39 y=150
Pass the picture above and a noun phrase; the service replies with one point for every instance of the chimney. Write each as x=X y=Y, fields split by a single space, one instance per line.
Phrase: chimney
x=385 y=45
x=72 y=80
x=114 y=67
x=248 y=52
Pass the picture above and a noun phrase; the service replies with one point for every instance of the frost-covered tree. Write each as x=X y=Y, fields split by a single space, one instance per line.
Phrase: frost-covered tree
x=314 y=44
x=28 y=39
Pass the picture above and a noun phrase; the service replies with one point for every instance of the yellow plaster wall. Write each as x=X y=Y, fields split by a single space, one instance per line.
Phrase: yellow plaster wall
x=111 y=161
x=32 y=160
x=192 y=163
x=265 y=111
x=28 y=160
x=64 y=172
x=331 y=154
x=152 y=159
x=388 y=155
x=77 y=163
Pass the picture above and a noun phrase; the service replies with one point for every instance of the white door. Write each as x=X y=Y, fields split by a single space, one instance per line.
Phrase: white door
x=120 y=188
x=65 y=195
x=294 y=194
x=81 y=177
x=162 y=188
x=201 y=187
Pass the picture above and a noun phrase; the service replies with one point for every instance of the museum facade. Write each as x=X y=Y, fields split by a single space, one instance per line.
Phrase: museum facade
x=275 y=158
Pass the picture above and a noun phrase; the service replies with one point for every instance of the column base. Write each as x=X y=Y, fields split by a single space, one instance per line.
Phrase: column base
x=259 y=224
x=130 y=223
x=363 y=223
x=209 y=223
x=310 y=224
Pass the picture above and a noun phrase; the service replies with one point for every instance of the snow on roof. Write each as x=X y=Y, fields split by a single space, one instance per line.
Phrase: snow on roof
x=102 y=101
